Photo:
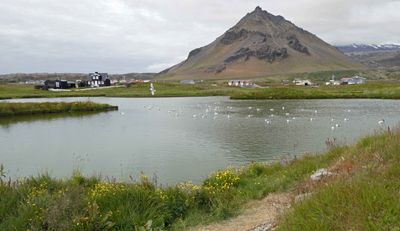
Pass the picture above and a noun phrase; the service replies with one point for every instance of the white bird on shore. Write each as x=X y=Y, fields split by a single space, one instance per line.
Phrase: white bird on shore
x=382 y=121
x=287 y=121
x=337 y=125
x=122 y=113
x=315 y=111
x=311 y=119
x=271 y=109
x=283 y=108
x=287 y=114
x=345 y=119
x=249 y=116
x=272 y=115
x=229 y=116
x=250 y=108
x=333 y=128
x=293 y=118
x=258 y=109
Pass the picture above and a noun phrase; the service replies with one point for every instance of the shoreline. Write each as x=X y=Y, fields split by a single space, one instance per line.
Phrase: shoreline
x=222 y=195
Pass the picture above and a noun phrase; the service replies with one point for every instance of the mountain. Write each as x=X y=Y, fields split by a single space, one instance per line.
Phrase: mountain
x=260 y=44
x=357 y=48
x=374 y=56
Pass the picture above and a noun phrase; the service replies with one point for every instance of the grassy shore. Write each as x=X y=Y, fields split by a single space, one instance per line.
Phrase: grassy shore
x=363 y=197
x=13 y=109
x=379 y=90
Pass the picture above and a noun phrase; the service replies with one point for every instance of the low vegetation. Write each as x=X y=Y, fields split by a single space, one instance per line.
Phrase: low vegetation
x=364 y=198
x=12 y=109
x=379 y=90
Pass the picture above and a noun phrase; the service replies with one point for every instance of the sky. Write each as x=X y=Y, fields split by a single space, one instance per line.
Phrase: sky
x=124 y=36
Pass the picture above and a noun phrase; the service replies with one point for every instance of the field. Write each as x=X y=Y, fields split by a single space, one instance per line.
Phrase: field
x=373 y=89
x=363 y=195
x=13 y=109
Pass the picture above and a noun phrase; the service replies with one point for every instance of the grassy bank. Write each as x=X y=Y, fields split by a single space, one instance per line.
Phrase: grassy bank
x=364 y=196
x=13 y=109
x=380 y=90
x=367 y=196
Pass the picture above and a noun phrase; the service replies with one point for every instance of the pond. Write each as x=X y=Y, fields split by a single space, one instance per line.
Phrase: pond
x=183 y=139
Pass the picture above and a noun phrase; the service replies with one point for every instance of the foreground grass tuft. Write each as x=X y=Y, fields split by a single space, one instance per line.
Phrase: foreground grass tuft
x=366 y=198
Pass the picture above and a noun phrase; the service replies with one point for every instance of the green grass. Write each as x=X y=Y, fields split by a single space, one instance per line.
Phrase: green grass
x=380 y=90
x=14 y=109
x=367 y=198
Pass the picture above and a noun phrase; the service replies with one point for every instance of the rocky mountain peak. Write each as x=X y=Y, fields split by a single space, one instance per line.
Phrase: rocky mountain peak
x=261 y=43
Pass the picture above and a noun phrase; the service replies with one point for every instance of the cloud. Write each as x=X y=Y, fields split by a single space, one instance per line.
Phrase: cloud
x=121 y=36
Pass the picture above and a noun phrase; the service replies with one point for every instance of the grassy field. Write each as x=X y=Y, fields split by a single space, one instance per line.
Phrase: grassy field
x=380 y=90
x=364 y=198
x=13 y=109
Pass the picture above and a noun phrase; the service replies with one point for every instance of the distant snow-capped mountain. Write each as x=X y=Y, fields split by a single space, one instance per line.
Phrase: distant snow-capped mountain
x=353 y=48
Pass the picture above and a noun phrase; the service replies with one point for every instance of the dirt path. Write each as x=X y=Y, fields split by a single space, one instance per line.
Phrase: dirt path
x=255 y=214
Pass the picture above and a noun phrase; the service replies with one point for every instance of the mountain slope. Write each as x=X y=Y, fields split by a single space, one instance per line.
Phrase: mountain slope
x=260 y=44
x=374 y=56
x=368 y=48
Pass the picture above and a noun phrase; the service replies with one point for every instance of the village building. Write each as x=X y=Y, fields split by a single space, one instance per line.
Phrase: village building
x=98 y=79
x=353 y=80
x=300 y=82
x=240 y=83
x=56 y=84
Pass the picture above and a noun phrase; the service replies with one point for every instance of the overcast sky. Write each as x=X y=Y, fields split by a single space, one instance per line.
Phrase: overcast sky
x=121 y=36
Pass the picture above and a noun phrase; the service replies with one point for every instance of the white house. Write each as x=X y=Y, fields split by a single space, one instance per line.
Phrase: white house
x=300 y=82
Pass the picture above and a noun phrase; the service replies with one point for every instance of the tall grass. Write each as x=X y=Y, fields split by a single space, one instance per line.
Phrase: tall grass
x=367 y=198
x=12 y=109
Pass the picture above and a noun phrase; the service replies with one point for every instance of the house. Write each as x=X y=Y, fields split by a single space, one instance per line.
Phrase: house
x=353 y=80
x=57 y=84
x=188 y=82
x=300 y=82
x=240 y=83
x=99 y=79
x=333 y=82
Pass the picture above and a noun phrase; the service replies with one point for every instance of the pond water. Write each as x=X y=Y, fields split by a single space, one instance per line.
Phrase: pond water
x=183 y=139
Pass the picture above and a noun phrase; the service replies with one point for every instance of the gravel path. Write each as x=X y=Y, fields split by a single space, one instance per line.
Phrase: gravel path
x=257 y=216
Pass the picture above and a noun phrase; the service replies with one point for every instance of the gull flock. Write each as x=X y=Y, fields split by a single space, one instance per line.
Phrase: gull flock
x=272 y=115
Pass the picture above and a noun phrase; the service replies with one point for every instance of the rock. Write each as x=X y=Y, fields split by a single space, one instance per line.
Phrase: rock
x=194 y=52
x=263 y=227
x=294 y=43
x=320 y=173
x=231 y=36
x=263 y=53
